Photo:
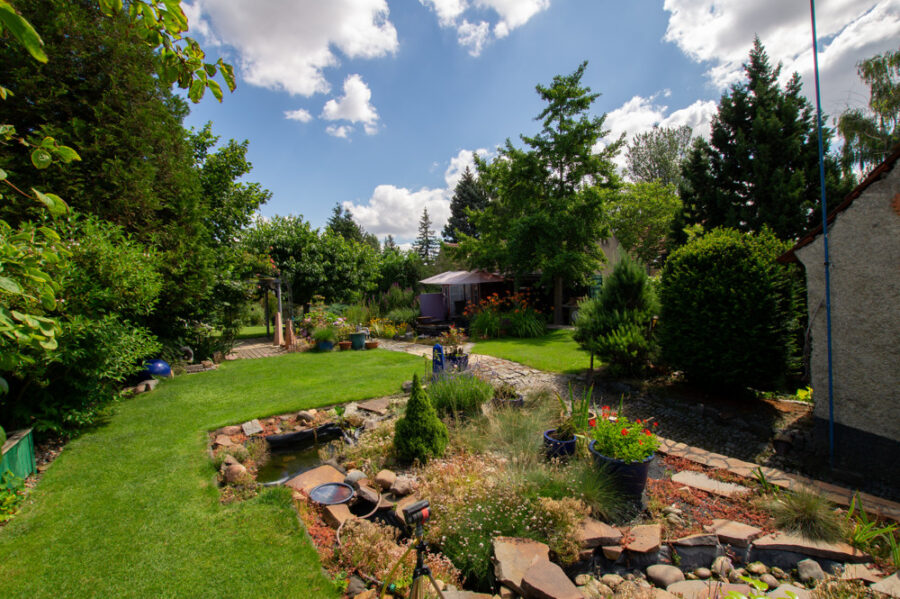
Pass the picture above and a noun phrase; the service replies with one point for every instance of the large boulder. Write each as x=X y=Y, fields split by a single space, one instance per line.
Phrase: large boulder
x=513 y=557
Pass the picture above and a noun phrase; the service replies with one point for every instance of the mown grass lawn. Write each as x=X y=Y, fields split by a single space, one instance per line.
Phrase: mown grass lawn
x=554 y=352
x=131 y=509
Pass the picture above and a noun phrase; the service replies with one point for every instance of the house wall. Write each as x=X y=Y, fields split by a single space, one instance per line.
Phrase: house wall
x=864 y=248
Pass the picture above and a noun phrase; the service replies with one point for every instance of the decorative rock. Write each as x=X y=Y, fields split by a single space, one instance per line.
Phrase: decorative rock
x=229 y=430
x=593 y=533
x=890 y=586
x=698 y=589
x=506 y=593
x=546 y=580
x=582 y=579
x=675 y=520
x=671 y=509
x=306 y=416
x=229 y=460
x=367 y=594
x=354 y=476
x=646 y=538
x=770 y=580
x=367 y=493
x=735 y=575
x=757 y=569
x=734 y=533
x=778 y=573
x=234 y=473
x=402 y=485
x=335 y=515
x=224 y=441
x=783 y=590
x=376 y=406
x=722 y=566
x=596 y=590
x=810 y=570
x=612 y=552
x=612 y=580
x=860 y=572
x=252 y=427
x=700 y=481
x=406 y=386
x=315 y=477
x=839 y=552
x=696 y=540
x=663 y=575
x=385 y=479
x=513 y=557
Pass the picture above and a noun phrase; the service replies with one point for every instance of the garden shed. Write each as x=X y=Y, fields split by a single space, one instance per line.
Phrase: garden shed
x=460 y=287
x=864 y=254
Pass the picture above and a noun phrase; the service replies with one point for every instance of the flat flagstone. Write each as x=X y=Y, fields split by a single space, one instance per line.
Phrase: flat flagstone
x=252 y=427
x=647 y=538
x=546 y=580
x=890 y=586
x=513 y=557
x=697 y=540
x=733 y=533
x=313 y=478
x=377 y=406
x=839 y=552
x=700 y=481
x=593 y=533
x=861 y=572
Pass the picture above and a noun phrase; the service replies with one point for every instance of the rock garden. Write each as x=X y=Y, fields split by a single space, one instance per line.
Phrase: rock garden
x=516 y=511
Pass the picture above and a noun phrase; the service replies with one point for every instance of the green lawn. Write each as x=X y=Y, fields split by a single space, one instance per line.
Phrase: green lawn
x=554 y=352
x=131 y=509
x=251 y=332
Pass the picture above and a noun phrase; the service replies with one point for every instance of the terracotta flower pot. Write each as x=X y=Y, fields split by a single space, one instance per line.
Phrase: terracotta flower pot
x=345 y=345
x=371 y=344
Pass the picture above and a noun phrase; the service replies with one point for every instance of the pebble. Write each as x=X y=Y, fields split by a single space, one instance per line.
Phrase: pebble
x=703 y=573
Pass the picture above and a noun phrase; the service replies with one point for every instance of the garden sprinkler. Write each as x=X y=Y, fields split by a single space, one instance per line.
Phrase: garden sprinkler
x=416 y=514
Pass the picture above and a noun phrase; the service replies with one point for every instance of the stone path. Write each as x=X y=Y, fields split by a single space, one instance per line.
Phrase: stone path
x=254 y=348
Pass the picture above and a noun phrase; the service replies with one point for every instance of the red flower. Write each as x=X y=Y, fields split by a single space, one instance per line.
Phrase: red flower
x=638 y=420
x=655 y=424
x=624 y=432
x=606 y=408
x=640 y=442
x=647 y=432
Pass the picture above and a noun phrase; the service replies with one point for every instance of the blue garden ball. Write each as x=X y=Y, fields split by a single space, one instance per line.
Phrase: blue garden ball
x=158 y=367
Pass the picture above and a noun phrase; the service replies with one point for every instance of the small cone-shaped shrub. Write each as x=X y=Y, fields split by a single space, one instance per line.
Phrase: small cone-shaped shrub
x=420 y=434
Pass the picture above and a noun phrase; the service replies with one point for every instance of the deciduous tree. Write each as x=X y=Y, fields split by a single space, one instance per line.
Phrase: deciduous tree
x=656 y=155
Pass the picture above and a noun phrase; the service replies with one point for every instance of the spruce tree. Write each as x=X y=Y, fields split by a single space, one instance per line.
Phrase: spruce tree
x=425 y=244
x=760 y=165
x=341 y=222
x=420 y=434
x=466 y=196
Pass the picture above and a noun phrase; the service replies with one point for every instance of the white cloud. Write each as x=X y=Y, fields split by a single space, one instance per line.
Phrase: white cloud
x=342 y=131
x=393 y=210
x=475 y=35
x=286 y=44
x=719 y=33
x=298 y=115
x=354 y=106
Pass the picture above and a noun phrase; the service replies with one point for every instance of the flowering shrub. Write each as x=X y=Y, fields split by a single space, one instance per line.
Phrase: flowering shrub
x=452 y=340
x=619 y=438
x=512 y=313
x=384 y=328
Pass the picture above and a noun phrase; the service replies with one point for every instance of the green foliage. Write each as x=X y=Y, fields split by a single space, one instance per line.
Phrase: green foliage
x=513 y=313
x=11 y=495
x=420 y=434
x=460 y=394
x=2 y=436
x=870 y=535
x=623 y=439
x=426 y=244
x=485 y=324
x=341 y=223
x=545 y=209
x=325 y=334
x=729 y=315
x=578 y=478
x=617 y=324
x=641 y=217
x=468 y=198
x=357 y=314
x=403 y=315
x=760 y=166
x=400 y=269
x=870 y=135
x=656 y=155
x=807 y=513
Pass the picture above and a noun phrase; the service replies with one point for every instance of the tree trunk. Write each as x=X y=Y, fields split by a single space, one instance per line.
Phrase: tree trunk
x=558 y=301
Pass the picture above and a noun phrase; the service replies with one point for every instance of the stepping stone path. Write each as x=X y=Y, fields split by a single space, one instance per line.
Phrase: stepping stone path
x=698 y=480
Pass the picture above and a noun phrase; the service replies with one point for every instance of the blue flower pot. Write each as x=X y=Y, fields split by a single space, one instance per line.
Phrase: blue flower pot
x=557 y=449
x=324 y=345
x=630 y=478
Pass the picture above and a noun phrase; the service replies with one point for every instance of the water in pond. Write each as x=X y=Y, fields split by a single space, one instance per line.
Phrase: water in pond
x=288 y=463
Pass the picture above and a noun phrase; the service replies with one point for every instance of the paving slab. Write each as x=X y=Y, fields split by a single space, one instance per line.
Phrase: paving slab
x=376 y=406
x=252 y=427
x=647 y=538
x=733 y=533
x=862 y=572
x=839 y=552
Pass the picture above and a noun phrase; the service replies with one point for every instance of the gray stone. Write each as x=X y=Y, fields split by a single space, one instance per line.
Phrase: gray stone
x=778 y=573
x=367 y=493
x=513 y=557
x=354 y=476
x=663 y=575
x=810 y=570
x=403 y=485
x=736 y=574
x=583 y=579
x=229 y=430
x=890 y=586
x=595 y=590
x=675 y=520
x=841 y=552
x=696 y=540
x=355 y=586
x=385 y=479
x=722 y=566
x=376 y=406
x=703 y=573
x=252 y=427
x=306 y=416
x=700 y=481
x=546 y=580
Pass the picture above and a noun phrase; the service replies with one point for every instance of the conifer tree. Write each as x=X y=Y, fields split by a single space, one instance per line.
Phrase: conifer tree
x=420 y=434
x=426 y=243
x=466 y=196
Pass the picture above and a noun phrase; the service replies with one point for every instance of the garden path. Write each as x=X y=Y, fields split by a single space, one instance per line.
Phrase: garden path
x=254 y=348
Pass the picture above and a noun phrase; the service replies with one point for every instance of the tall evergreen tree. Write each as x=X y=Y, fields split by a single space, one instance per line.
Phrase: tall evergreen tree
x=389 y=244
x=467 y=195
x=760 y=166
x=426 y=243
x=341 y=223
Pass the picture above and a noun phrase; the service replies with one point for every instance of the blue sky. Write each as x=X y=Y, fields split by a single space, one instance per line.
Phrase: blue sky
x=378 y=105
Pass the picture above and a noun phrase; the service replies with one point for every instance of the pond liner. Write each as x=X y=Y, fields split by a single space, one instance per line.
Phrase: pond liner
x=309 y=436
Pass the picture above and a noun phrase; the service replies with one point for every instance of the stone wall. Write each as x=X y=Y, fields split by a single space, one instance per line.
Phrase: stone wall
x=864 y=247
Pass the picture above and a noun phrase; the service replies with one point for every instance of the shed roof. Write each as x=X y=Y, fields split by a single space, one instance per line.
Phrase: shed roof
x=877 y=173
x=463 y=277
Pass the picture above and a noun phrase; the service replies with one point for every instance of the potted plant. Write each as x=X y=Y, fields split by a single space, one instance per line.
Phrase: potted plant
x=452 y=341
x=561 y=440
x=371 y=343
x=506 y=396
x=625 y=449
x=325 y=337
x=343 y=335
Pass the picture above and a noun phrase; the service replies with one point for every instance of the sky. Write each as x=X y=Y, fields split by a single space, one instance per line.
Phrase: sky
x=379 y=105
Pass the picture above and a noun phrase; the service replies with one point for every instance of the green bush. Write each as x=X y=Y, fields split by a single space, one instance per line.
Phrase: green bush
x=617 y=324
x=485 y=324
x=729 y=310
x=526 y=322
x=325 y=334
x=420 y=434
x=459 y=394
x=404 y=315
x=357 y=314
